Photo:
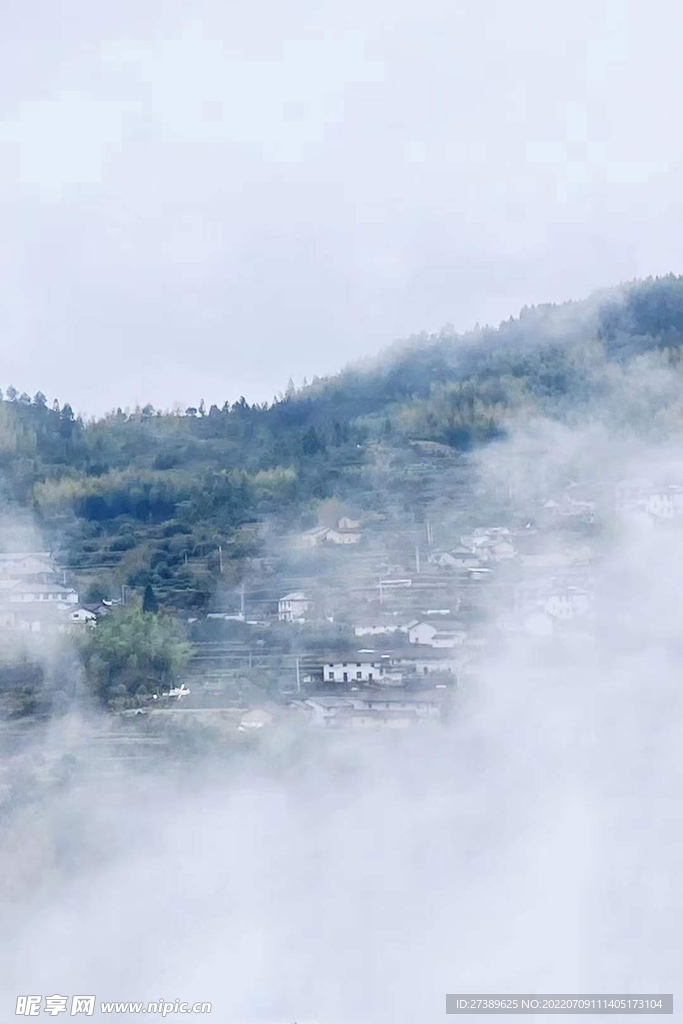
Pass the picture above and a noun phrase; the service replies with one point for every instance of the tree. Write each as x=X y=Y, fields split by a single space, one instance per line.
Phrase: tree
x=128 y=650
x=39 y=400
x=12 y=393
x=311 y=443
x=66 y=421
x=149 y=601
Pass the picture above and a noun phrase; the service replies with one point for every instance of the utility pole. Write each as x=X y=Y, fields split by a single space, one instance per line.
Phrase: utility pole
x=417 y=558
x=381 y=592
x=298 y=677
x=123 y=594
x=220 y=558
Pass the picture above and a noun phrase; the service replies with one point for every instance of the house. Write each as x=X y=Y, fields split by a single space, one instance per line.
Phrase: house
x=342 y=537
x=345 y=523
x=423 y=631
x=423 y=703
x=665 y=502
x=99 y=608
x=293 y=607
x=428 y=663
x=447 y=638
x=458 y=557
x=356 y=668
x=558 y=597
x=630 y=495
x=371 y=709
x=30 y=590
x=81 y=616
x=489 y=543
x=320 y=535
x=323 y=709
x=17 y=565
x=376 y=630
x=315 y=537
x=356 y=718
x=41 y=618
x=558 y=559
x=568 y=603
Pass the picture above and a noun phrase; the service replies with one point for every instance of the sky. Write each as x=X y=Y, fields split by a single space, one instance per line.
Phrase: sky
x=203 y=200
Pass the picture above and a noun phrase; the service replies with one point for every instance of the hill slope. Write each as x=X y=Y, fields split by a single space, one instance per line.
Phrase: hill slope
x=171 y=498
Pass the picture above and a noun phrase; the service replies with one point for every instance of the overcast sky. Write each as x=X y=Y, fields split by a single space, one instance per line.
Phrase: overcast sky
x=204 y=199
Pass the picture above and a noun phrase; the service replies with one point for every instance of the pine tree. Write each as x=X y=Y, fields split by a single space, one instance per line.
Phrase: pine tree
x=149 y=601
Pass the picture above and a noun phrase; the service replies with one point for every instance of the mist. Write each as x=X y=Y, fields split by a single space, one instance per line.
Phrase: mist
x=202 y=202
x=530 y=844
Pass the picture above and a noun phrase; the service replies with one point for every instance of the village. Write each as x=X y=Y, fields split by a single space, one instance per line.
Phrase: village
x=384 y=625
x=387 y=626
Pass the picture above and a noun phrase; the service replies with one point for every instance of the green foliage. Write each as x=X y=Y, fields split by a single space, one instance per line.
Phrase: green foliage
x=129 y=652
x=146 y=498
x=149 y=601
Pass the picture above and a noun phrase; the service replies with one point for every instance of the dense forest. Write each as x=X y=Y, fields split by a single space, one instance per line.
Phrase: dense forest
x=174 y=498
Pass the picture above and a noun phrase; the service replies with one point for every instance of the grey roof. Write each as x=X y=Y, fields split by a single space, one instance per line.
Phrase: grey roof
x=328 y=701
x=26 y=587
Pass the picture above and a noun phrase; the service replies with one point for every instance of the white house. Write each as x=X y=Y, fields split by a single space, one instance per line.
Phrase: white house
x=568 y=603
x=447 y=638
x=345 y=523
x=631 y=495
x=358 y=668
x=374 y=710
x=665 y=502
x=423 y=703
x=423 y=631
x=491 y=543
x=35 y=590
x=342 y=537
x=377 y=630
x=458 y=557
x=293 y=607
x=82 y=616
x=315 y=537
x=320 y=535
x=323 y=709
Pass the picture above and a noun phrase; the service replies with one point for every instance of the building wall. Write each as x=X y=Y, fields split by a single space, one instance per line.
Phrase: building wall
x=351 y=672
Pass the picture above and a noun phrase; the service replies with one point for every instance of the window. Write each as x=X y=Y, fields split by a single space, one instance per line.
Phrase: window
x=330 y=676
x=359 y=675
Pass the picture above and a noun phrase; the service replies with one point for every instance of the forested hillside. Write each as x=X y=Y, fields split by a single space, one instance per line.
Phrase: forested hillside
x=172 y=498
